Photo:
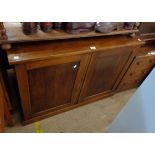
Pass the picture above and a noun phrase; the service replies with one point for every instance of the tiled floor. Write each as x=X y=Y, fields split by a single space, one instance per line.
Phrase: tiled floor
x=94 y=117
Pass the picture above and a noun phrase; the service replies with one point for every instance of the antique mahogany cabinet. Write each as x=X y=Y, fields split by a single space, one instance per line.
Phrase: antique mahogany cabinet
x=59 y=75
x=57 y=72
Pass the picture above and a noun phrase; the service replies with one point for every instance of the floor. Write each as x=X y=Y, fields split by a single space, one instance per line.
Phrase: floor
x=91 y=118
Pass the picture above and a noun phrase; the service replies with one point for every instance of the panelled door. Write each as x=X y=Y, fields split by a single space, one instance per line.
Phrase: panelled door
x=51 y=84
x=103 y=71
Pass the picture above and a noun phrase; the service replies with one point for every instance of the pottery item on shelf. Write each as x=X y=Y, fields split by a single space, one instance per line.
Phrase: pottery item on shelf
x=119 y=25
x=129 y=25
x=137 y=25
x=59 y=25
x=105 y=27
x=46 y=26
x=77 y=27
x=30 y=27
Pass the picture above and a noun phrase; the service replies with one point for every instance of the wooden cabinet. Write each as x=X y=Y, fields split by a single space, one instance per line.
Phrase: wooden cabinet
x=141 y=66
x=57 y=76
x=104 y=71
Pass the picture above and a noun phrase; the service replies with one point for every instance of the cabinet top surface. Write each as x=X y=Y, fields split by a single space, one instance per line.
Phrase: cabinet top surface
x=25 y=52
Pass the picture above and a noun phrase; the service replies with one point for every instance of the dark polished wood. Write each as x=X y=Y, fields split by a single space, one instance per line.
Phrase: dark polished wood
x=49 y=80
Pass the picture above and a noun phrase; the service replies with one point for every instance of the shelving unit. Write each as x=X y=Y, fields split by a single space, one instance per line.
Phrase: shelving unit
x=15 y=34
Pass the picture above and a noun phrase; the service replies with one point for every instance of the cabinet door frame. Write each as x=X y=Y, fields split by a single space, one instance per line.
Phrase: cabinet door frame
x=23 y=85
x=101 y=95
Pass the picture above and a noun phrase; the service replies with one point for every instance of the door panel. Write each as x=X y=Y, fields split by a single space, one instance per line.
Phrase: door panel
x=104 y=70
x=52 y=86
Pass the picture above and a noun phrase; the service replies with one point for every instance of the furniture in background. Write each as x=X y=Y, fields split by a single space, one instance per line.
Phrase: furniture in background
x=5 y=115
x=142 y=64
x=144 y=59
x=5 y=105
x=1 y=109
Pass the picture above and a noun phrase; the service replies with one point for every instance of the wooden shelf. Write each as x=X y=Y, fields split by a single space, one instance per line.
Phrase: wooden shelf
x=148 y=37
x=15 y=34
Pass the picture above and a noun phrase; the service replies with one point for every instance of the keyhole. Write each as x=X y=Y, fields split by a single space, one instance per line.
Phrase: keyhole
x=75 y=66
